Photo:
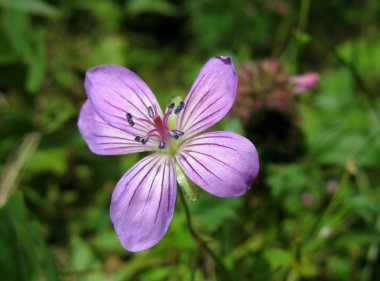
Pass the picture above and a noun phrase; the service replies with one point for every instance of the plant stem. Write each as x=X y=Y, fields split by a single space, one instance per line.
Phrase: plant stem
x=223 y=272
x=304 y=15
x=316 y=229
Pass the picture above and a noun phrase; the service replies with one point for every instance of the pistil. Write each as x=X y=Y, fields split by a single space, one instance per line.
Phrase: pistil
x=161 y=130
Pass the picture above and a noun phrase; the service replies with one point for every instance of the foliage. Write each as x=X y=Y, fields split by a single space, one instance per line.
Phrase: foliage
x=312 y=215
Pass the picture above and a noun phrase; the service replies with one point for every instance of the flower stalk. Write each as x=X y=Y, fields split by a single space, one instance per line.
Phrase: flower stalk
x=222 y=269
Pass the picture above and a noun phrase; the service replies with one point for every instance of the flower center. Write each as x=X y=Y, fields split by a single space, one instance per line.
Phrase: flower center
x=161 y=129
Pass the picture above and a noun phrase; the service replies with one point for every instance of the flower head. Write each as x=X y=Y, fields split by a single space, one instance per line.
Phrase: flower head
x=304 y=82
x=121 y=116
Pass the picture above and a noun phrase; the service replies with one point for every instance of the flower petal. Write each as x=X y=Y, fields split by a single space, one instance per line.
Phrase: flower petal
x=223 y=163
x=104 y=139
x=143 y=202
x=114 y=91
x=210 y=97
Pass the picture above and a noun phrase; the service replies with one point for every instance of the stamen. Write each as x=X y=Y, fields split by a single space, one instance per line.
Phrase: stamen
x=179 y=133
x=178 y=109
x=168 y=112
x=160 y=125
x=173 y=134
x=150 y=112
x=171 y=105
x=129 y=119
x=162 y=145
x=141 y=139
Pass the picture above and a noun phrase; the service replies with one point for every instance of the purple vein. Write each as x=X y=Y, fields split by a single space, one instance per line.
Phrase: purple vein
x=211 y=136
x=208 y=144
x=204 y=167
x=137 y=95
x=142 y=163
x=187 y=101
x=201 y=111
x=170 y=183
x=144 y=148
x=208 y=155
x=161 y=189
x=125 y=130
x=202 y=126
x=111 y=137
x=150 y=190
x=133 y=91
x=104 y=143
x=131 y=103
x=191 y=167
x=206 y=102
x=141 y=181
x=196 y=106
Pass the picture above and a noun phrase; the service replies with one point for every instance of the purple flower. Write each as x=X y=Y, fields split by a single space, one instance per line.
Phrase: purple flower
x=121 y=116
x=304 y=82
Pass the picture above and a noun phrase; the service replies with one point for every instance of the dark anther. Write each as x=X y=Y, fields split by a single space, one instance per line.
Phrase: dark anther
x=179 y=107
x=162 y=145
x=173 y=135
x=129 y=119
x=179 y=133
x=171 y=105
x=150 y=112
x=141 y=139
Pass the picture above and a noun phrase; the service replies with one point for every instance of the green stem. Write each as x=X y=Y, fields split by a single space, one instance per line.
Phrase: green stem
x=372 y=255
x=223 y=272
x=304 y=15
x=315 y=230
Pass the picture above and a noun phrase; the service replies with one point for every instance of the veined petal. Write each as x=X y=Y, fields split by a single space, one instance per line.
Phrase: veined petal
x=104 y=139
x=143 y=202
x=114 y=91
x=210 y=97
x=222 y=163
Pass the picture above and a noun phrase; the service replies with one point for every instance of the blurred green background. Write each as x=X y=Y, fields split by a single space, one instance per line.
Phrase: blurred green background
x=314 y=211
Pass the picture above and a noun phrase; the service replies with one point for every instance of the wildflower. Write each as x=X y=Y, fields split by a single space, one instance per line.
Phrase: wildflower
x=331 y=186
x=121 y=116
x=307 y=199
x=304 y=82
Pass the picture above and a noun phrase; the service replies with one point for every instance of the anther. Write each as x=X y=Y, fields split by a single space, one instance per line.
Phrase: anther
x=175 y=134
x=162 y=144
x=179 y=107
x=141 y=139
x=150 y=112
x=171 y=105
x=179 y=133
x=129 y=119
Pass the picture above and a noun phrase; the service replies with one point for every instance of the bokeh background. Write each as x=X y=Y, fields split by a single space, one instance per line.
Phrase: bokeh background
x=314 y=211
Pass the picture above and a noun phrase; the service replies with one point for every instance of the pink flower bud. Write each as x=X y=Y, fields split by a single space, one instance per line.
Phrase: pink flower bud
x=304 y=82
x=307 y=199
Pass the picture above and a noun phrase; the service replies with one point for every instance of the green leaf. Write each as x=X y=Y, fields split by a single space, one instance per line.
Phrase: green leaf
x=162 y=7
x=48 y=160
x=84 y=260
x=278 y=257
x=37 y=7
x=28 y=43
x=212 y=212
x=21 y=243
